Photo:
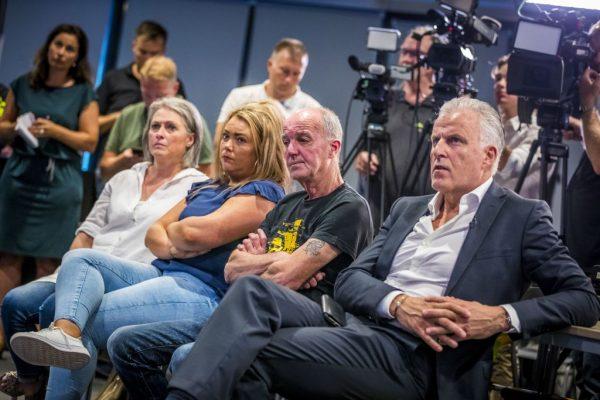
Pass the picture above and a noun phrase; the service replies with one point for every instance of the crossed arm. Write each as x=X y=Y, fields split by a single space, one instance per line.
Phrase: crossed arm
x=170 y=237
x=296 y=270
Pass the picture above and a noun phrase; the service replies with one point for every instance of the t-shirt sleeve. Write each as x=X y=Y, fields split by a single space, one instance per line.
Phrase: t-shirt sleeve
x=19 y=85
x=196 y=186
x=88 y=96
x=268 y=221
x=267 y=189
x=114 y=137
x=230 y=103
x=14 y=85
x=347 y=227
x=206 y=149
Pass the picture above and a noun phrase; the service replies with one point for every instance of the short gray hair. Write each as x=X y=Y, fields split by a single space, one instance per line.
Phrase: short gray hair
x=491 y=132
x=194 y=125
x=332 y=127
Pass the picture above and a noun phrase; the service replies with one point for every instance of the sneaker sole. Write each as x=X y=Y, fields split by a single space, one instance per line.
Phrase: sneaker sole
x=39 y=352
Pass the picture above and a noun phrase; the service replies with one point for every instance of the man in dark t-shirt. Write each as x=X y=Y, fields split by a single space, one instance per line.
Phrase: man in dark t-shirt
x=312 y=234
x=304 y=242
x=121 y=87
x=339 y=218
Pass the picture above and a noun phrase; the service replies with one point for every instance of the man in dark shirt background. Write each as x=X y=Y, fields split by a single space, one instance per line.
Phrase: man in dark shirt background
x=121 y=87
x=583 y=197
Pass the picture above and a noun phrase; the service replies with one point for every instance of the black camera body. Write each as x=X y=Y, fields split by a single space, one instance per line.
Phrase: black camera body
x=454 y=59
x=546 y=63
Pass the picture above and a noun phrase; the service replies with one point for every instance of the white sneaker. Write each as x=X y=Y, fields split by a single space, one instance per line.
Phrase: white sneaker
x=50 y=347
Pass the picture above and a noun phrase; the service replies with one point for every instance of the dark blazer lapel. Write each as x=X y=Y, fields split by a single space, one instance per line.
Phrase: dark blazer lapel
x=478 y=228
x=401 y=228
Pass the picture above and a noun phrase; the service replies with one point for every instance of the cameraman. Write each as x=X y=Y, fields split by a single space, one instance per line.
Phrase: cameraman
x=583 y=236
x=518 y=137
x=410 y=108
x=583 y=196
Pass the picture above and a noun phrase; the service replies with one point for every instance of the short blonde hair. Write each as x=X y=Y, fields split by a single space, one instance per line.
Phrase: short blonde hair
x=159 y=68
x=266 y=127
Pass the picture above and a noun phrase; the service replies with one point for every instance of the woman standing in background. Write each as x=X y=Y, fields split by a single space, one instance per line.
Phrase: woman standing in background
x=41 y=188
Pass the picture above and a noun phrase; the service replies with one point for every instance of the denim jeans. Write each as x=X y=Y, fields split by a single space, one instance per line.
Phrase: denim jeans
x=101 y=293
x=178 y=356
x=139 y=353
x=20 y=313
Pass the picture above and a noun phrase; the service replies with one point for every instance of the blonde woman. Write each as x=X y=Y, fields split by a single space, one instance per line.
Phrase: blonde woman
x=97 y=293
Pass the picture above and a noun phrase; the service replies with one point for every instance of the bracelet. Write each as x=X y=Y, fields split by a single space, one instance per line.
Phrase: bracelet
x=507 y=320
x=400 y=299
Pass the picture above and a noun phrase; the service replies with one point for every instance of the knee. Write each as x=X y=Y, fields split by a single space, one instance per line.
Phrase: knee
x=250 y=284
x=76 y=259
x=118 y=344
x=178 y=356
x=11 y=304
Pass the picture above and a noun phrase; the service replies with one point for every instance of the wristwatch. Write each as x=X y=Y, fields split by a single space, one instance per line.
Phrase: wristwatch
x=400 y=299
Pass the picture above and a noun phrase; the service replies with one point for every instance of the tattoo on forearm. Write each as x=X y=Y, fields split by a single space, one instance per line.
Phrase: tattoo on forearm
x=313 y=247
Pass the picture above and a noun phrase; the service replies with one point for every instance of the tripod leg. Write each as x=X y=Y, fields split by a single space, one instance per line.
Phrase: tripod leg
x=532 y=150
x=383 y=185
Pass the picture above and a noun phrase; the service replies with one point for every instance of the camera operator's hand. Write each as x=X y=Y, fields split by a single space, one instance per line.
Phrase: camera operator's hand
x=574 y=131
x=363 y=167
x=589 y=88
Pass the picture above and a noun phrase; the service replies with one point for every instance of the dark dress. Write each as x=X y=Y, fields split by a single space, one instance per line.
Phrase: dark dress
x=41 y=189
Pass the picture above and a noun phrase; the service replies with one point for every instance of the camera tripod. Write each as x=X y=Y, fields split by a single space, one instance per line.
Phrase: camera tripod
x=374 y=137
x=552 y=150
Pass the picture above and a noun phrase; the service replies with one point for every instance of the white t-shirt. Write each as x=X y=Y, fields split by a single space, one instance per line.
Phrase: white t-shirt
x=119 y=220
x=247 y=94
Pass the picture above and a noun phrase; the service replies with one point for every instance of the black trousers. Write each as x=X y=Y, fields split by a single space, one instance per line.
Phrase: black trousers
x=264 y=338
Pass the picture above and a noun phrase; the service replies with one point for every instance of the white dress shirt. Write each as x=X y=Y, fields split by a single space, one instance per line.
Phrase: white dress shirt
x=518 y=137
x=425 y=260
x=119 y=219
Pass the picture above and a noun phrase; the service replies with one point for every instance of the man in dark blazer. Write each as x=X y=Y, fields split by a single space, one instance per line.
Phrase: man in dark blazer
x=424 y=302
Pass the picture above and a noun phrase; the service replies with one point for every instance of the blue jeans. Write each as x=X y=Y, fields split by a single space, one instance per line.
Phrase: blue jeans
x=101 y=293
x=139 y=352
x=178 y=356
x=20 y=313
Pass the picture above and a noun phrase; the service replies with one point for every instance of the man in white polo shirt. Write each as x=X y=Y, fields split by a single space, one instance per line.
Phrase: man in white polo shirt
x=285 y=68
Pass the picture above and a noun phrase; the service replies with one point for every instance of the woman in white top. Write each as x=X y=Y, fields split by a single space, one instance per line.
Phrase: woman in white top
x=130 y=202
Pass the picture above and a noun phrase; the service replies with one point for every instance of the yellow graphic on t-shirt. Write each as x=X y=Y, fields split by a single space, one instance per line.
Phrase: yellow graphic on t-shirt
x=286 y=238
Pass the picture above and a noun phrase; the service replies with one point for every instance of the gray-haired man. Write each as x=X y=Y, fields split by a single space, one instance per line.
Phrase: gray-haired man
x=442 y=278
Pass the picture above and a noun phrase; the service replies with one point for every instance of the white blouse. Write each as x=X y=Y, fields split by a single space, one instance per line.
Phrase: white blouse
x=119 y=219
